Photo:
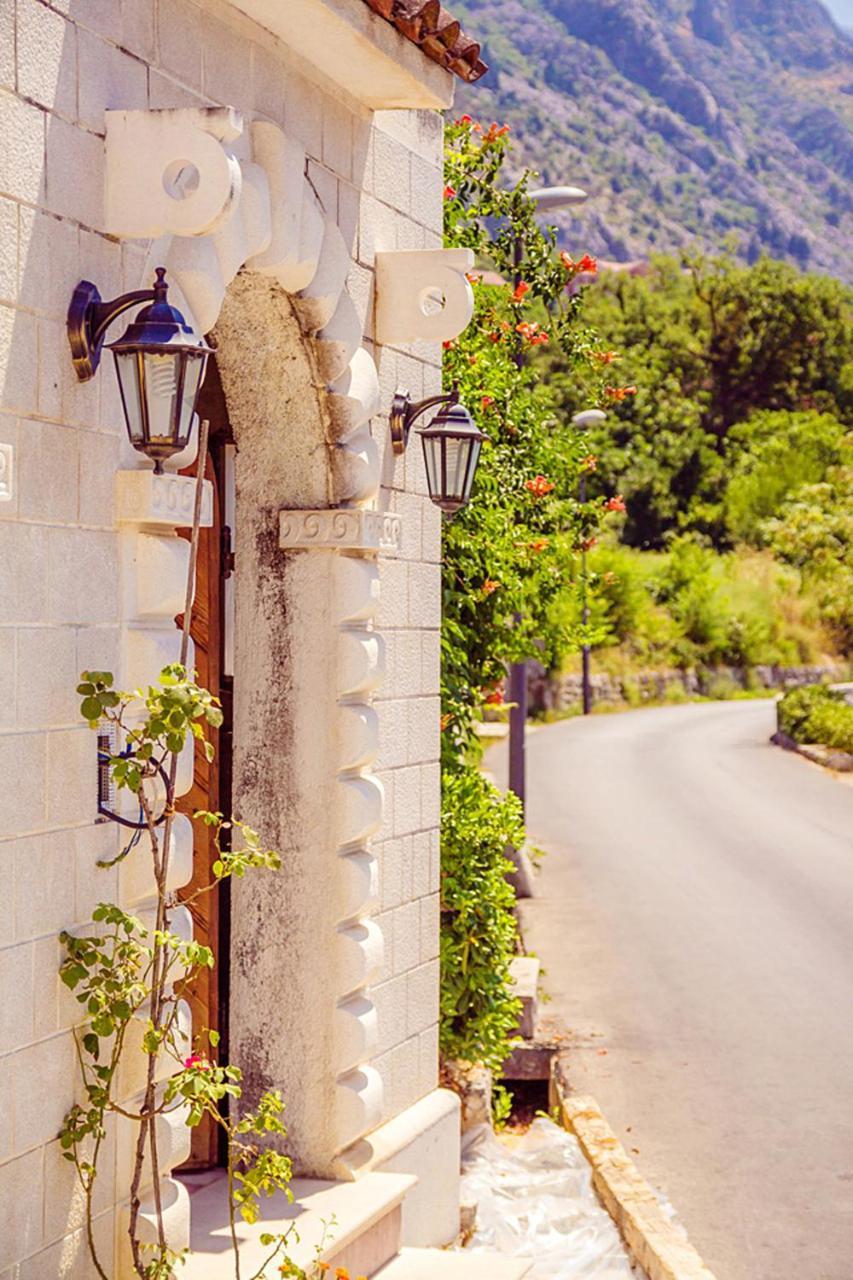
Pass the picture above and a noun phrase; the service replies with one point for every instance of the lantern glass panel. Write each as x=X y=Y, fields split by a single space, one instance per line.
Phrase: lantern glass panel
x=473 y=458
x=456 y=454
x=193 y=373
x=432 y=462
x=127 y=369
x=162 y=389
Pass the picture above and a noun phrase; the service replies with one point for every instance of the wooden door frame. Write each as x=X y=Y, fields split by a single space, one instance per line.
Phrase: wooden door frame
x=211 y=789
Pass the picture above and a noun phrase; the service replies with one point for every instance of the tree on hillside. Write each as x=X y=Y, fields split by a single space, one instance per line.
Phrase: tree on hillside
x=709 y=344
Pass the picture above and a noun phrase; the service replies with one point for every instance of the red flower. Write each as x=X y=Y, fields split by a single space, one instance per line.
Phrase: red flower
x=531 y=333
x=495 y=335
x=463 y=120
x=588 y=543
x=616 y=503
x=495 y=131
x=586 y=264
x=619 y=393
x=449 y=192
x=589 y=463
x=445 y=721
x=486 y=402
x=539 y=486
x=604 y=357
x=448 y=344
x=520 y=290
x=489 y=586
x=196 y=1060
x=495 y=698
x=538 y=544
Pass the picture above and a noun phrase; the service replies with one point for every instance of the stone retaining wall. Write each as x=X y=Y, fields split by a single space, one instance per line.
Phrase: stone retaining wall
x=550 y=692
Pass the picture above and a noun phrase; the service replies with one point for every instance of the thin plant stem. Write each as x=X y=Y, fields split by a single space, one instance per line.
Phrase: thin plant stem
x=160 y=855
x=232 y=1219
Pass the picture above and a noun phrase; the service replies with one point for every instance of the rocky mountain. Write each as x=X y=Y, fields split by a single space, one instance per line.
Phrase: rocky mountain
x=692 y=122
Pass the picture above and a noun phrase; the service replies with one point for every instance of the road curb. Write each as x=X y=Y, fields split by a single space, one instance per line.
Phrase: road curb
x=831 y=758
x=654 y=1241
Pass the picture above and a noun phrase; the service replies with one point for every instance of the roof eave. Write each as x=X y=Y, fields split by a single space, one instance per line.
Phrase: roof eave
x=353 y=46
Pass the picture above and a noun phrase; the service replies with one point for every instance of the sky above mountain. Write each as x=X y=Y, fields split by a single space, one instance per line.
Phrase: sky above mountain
x=842 y=11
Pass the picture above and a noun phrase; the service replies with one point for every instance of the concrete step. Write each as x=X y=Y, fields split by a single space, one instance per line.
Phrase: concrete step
x=441 y=1264
x=524 y=975
x=347 y=1224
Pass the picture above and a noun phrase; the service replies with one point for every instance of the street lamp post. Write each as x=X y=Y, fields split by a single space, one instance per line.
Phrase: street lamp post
x=546 y=198
x=588 y=418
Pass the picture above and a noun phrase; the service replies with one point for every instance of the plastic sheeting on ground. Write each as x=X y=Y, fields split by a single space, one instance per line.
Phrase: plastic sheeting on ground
x=535 y=1200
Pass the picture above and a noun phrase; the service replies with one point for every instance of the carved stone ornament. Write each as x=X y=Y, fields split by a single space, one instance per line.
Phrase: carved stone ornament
x=423 y=295
x=342 y=529
x=145 y=498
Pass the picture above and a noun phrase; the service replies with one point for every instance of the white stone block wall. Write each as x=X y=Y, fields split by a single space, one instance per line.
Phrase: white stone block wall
x=61 y=65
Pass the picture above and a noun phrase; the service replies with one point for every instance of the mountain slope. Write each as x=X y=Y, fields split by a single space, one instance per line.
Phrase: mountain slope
x=691 y=121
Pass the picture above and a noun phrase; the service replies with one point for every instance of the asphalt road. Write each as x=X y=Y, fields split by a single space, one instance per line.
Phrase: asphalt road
x=695 y=922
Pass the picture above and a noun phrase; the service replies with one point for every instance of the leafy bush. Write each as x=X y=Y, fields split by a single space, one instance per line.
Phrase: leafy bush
x=816 y=713
x=814 y=532
x=478 y=932
x=505 y=558
x=693 y=607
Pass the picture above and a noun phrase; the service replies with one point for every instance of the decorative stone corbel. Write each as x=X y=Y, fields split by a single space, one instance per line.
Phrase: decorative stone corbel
x=217 y=198
x=423 y=295
x=171 y=172
x=145 y=498
x=341 y=529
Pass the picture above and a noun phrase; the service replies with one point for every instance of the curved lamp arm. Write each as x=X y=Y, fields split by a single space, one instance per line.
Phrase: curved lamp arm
x=404 y=414
x=88 y=320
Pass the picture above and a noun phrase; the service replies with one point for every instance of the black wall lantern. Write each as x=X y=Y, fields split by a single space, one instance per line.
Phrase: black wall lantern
x=451 y=445
x=160 y=363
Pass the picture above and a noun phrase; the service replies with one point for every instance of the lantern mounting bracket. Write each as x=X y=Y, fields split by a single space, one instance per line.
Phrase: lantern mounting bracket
x=404 y=414
x=88 y=320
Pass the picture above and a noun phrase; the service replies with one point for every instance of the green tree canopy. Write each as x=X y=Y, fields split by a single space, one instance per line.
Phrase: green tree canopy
x=710 y=345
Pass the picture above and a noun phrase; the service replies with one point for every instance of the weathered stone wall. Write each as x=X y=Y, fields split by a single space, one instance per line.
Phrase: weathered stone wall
x=63 y=587
x=548 y=692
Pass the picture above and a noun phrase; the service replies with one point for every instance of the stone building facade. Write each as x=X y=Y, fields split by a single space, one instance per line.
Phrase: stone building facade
x=283 y=161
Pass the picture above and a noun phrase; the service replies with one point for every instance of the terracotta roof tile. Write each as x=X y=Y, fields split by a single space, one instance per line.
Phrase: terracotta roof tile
x=430 y=26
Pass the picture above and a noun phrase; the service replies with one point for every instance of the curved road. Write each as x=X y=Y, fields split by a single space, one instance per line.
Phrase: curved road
x=695 y=924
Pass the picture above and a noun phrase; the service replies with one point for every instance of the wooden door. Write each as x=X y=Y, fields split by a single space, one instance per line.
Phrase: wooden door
x=211 y=779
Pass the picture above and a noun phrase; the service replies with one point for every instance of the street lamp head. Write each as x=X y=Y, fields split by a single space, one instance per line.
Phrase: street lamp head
x=548 y=198
x=588 y=418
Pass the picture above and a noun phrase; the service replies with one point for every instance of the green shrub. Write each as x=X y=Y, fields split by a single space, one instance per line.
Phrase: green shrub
x=721 y=688
x=478 y=934
x=694 y=607
x=816 y=713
